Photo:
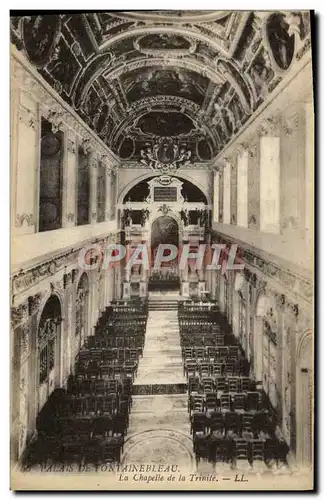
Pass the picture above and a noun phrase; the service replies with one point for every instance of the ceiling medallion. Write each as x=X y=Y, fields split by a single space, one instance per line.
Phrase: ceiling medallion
x=165 y=155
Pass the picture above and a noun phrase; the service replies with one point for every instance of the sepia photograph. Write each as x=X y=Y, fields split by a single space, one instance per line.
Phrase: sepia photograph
x=162 y=250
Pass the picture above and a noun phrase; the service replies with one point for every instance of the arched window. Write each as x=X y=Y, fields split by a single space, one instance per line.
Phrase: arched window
x=81 y=309
x=83 y=195
x=50 y=178
x=48 y=337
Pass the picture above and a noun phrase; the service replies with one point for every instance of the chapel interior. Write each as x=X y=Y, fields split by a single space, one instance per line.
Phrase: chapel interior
x=176 y=127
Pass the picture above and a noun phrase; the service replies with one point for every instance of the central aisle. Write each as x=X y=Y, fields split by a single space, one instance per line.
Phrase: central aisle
x=162 y=360
x=159 y=428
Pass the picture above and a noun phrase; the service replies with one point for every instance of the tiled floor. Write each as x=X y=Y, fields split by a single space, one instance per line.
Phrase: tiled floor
x=159 y=446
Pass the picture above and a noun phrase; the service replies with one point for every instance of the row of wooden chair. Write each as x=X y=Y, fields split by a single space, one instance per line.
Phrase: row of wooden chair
x=221 y=384
x=255 y=452
x=100 y=354
x=212 y=352
x=247 y=401
x=72 y=450
x=253 y=422
x=120 y=341
x=204 y=369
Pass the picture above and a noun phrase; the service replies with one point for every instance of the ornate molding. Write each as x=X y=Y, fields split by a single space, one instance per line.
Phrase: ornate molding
x=19 y=314
x=28 y=219
x=58 y=285
x=166 y=52
x=70 y=217
x=74 y=275
x=24 y=341
x=143 y=62
x=164 y=100
x=296 y=285
x=71 y=146
x=165 y=155
x=24 y=280
x=67 y=279
x=27 y=117
x=87 y=145
x=107 y=164
x=280 y=299
x=56 y=118
x=304 y=49
x=33 y=303
x=270 y=127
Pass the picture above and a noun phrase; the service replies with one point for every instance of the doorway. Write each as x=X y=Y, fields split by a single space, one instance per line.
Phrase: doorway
x=164 y=230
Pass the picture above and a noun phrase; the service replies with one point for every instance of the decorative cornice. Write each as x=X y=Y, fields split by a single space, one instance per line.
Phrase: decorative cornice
x=294 y=284
x=24 y=280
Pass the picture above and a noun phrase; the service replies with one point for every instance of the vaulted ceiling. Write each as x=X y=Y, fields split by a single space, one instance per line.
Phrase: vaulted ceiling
x=195 y=76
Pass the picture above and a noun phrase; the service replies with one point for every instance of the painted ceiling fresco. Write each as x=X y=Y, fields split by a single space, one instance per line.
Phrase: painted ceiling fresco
x=193 y=76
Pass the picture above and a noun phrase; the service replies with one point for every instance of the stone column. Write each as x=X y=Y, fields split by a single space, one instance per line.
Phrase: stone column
x=94 y=299
x=26 y=141
x=270 y=177
x=20 y=388
x=247 y=317
x=258 y=348
x=291 y=318
x=108 y=194
x=254 y=187
x=309 y=175
x=114 y=190
x=184 y=281
x=251 y=317
x=280 y=302
x=233 y=190
x=227 y=193
x=216 y=197
x=68 y=334
x=93 y=186
x=242 y=187
x=69 y=180
x=213 y=284
x=221 y=193
x=34 y=303
x=74 y=347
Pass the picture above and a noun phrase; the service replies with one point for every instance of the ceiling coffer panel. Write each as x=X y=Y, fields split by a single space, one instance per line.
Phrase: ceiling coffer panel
x=191 y=77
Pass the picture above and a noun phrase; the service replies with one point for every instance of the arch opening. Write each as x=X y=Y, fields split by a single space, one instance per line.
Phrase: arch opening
x=164 y=231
